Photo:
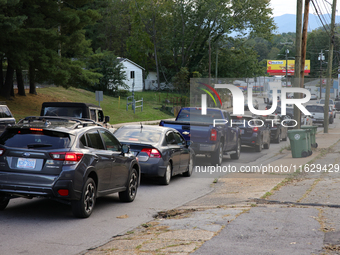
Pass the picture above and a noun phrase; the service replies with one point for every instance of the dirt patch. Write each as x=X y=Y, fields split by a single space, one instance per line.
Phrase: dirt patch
x=174 y=213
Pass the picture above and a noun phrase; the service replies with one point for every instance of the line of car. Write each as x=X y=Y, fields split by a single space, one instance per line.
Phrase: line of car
x=74 y=160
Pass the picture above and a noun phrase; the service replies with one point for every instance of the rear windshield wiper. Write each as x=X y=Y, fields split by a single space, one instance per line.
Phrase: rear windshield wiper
x=37 y=145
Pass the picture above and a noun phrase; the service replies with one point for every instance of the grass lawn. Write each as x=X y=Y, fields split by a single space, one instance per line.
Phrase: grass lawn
x=30 y=105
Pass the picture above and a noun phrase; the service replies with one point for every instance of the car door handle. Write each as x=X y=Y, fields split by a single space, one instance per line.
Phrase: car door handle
x=96 y=158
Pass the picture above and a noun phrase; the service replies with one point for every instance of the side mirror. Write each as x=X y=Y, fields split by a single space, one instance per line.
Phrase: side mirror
x=106 y=119
x=188 y=143
x=125 y=148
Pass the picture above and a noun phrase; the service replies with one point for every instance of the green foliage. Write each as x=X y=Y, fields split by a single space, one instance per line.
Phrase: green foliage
x=111 y=70
x=181 y=81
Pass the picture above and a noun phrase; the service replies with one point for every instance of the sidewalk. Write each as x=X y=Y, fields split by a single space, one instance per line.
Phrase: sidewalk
x=245 y=214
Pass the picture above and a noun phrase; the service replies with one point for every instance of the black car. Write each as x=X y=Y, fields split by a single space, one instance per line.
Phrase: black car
x=253 y=131
x=161 y=151
x=65 y=159
x=6 y=118
x=278 y=132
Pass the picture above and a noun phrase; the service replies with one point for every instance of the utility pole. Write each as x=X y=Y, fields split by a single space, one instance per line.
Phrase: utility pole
x=287 y=51
x=209 y=60
x=297 y=68
x=321 y=58
x=329 y=69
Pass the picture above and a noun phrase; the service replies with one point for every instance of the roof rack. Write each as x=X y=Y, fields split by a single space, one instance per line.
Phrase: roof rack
x=47 y=121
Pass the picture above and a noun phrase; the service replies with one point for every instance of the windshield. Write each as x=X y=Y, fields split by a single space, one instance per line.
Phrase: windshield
x=63 y=111
x=314 y=108
x=195 y=115
x=26 y=138
x=138 y=135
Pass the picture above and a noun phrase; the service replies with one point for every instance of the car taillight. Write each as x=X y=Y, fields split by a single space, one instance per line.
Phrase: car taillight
x=63 y=192
x=152 y=153
x=2 y=151
x=255 y=129
x=69 y=158
x=213 y=135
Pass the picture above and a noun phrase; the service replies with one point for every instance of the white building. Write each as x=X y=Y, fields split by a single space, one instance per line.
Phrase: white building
x=129 y=67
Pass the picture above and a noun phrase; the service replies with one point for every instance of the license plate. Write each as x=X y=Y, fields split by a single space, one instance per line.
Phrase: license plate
x=27 y=163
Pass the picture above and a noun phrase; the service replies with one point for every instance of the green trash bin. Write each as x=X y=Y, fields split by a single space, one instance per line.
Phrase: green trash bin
x=313 y=130
x=299 y=143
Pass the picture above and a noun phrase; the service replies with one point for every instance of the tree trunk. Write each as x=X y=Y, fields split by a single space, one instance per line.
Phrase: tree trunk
x=8 y=86
x=20 y=82
x=32 y=78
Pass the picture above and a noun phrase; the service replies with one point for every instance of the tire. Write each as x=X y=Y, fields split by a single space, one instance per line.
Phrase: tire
x=130 y=193
x=278 y=139
x=266 y=145
x=258 y=148
x=3 y=202
x=83 y=208
x=190 y=168
x=238 y=150
x=217 y=156
x=165 y=180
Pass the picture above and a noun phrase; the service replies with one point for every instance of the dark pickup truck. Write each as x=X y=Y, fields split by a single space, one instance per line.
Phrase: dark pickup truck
x=209 y=134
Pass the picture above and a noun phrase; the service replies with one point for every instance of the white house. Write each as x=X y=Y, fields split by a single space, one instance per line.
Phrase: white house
x=130 y=67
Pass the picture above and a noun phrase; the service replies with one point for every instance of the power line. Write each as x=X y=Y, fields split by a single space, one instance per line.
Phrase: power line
x=314 y=2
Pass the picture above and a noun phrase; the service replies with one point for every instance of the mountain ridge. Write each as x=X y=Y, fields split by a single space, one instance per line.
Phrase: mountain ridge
x=287 y=22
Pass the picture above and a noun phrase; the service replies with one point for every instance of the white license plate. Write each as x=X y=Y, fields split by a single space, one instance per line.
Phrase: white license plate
x=27 y=163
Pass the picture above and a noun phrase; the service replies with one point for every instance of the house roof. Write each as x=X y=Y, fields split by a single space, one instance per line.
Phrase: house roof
x=121 y=60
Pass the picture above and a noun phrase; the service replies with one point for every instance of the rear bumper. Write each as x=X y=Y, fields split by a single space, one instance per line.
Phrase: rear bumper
x=250 y=141
x=19 y=187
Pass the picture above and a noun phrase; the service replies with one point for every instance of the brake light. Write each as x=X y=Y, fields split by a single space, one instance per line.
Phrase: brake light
x=2 y=151
x=63 y=192
x=152 y=153
x=255 y=129
x=213 y=135
x=36 y=129
x=68 y=157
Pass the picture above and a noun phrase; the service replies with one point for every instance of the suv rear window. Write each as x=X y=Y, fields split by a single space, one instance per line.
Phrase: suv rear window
x=34 y=139
x=63 y=111
x=196 y=115
x=314 y=108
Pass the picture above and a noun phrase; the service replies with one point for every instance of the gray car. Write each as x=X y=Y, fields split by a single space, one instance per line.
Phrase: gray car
x=69 y=160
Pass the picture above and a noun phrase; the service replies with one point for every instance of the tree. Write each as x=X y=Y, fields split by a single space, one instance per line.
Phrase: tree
x=111 y=70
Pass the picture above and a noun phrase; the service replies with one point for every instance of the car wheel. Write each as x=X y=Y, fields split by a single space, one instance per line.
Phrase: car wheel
x=165 y=180
x=3 y=202
x=190 y=168
x=266 y=145
x=278 y=139
x=217 y=156
x=238 y=150
x=129 y=194
x=258 y=148
x=83 y=208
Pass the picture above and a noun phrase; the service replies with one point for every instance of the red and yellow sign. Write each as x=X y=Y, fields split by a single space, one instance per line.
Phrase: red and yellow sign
x=278 y=67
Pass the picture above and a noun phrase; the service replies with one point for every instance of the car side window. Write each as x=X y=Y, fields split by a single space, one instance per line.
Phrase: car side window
x=93 y=114
x=179 y=139
x=82 y=141
x=94 y=140
x=170 y=138
x=100 y=116
x=2 y=115
x=110 y=141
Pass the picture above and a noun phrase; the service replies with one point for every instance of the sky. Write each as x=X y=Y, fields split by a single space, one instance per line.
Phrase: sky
x=281 y=7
